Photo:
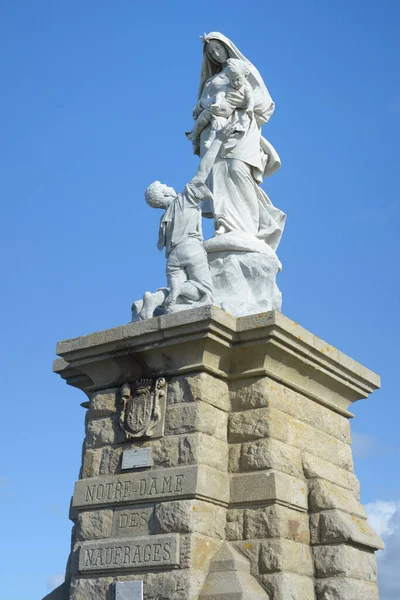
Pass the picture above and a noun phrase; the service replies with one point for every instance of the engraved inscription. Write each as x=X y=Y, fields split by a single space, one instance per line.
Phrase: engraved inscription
x=147 y=551
x=132 y=521
x=127 y=490
x=133 y=487
x=191 y=481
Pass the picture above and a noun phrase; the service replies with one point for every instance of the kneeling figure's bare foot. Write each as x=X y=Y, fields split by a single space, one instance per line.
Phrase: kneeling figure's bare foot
x=149 y=306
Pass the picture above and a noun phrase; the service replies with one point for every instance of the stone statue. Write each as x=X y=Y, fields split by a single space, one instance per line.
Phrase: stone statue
x=239 y=204
x=188 y=272
x=236 y=269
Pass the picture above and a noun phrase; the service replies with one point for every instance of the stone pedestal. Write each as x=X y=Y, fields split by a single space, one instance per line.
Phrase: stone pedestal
x=217 y=463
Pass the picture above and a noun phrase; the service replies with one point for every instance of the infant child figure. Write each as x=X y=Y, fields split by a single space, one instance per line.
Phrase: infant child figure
x=180 y=233
x=237 y=94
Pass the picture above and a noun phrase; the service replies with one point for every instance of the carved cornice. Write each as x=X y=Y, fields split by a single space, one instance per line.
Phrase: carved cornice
x=207 y=339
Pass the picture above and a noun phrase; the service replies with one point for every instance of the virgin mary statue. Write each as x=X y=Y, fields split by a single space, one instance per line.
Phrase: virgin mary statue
x=244 y=158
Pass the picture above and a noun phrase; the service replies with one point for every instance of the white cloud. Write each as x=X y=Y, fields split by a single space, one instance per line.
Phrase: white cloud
x=380 y=515
x=54 y=581
x=385 y=518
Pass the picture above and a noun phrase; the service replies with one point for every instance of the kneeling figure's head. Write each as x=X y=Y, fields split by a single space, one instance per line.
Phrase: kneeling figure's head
x=159 y=195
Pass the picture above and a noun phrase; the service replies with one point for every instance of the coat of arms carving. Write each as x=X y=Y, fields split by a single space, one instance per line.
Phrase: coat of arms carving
x=143 y=408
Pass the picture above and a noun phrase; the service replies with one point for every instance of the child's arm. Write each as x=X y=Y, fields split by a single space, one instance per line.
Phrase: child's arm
x=196 y=190
x=249 y=97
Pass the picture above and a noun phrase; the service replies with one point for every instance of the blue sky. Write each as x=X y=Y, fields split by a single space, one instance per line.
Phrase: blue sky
x=95 y=100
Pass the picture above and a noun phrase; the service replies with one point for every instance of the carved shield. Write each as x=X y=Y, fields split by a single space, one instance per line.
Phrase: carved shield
x=140 y=407
x=138 y=412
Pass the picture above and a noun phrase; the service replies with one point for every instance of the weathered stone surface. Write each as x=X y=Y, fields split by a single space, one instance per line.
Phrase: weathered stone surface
x=195 y=481
x=196 y=417
x=90 y=463
x=166 y=451
x=290 y=586
x=315 y=467
x=110 y=463
x=275 y=521
x=270 y=454
x=86 y=589
x=266 y=392
x=234 y=524
x=184 y=584
x=135 y=553
x=73 y=560
x=74 y=532
x=344 y=561
x=345 y=456
x=102 y=432
x=250 y=549
x=268 y=485
x=257 y=423
x=199 y=387
x=343 y=589
x=129 y=590
x=318 y=442
x=229 y=578
x=189 y=449
x=285 y=555
x=212 y=485
x=253 y=393
x=185 y=516
x=136 y=458
x=94 y=525
x=104 y=403
x=235 y=452
x=132 y=521
x=197 y=550
x=228 y=559
x=199 y=448
x=334 y=526
x=354 y=485
x=336 y=425
x=325 y=495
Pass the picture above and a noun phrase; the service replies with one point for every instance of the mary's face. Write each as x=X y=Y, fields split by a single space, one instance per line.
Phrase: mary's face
x=217 y=51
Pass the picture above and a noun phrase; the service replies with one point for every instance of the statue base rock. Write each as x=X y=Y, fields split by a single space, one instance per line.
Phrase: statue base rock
x=243 y=271
x=245 y=282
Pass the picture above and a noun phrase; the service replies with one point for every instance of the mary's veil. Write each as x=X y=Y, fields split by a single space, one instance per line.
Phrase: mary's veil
x=209 y=68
